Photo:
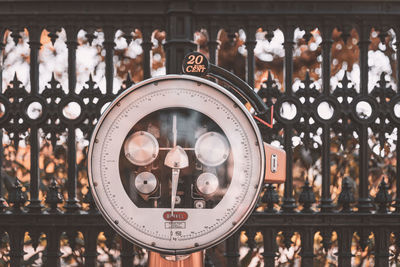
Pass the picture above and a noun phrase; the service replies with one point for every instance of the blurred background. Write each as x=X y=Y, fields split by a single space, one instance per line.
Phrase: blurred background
x=231 y=55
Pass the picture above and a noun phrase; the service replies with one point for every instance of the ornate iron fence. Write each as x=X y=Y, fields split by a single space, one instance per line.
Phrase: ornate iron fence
x=309 y=220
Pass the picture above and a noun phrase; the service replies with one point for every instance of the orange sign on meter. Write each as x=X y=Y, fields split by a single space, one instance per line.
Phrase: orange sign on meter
x=196 y=64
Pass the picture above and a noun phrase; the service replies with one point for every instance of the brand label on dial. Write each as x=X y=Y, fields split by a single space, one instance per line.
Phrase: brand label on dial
x=177 y=216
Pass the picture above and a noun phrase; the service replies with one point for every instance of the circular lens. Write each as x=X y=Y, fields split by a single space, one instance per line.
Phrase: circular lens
x=2 y=109
x=34 y=110
x=207 y=183
x=325 y=110
x=396 y=109
x=288 y=110
x=211 y=149
x=145 y=182
x=72 y=110
x=141 y=148
x=363 y=110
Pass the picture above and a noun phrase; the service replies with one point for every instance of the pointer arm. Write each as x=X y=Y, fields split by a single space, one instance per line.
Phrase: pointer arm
x=174 y=131
x=175 y=178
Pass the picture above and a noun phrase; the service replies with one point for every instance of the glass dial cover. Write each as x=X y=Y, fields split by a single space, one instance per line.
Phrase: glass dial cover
x=207 y=186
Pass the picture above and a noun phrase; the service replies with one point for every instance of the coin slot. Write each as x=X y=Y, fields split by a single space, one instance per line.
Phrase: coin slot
x=274 y=163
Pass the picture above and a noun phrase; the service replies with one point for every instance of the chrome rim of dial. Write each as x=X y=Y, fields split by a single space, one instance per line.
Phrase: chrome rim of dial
x=147 y=221
x=141 y=148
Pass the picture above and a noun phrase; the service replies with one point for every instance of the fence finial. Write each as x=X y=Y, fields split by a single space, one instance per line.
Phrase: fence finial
x=346 y=197
x=307 y=197
x=383 y=199
x=17 y=197
x=270 y=197
x=53 y=197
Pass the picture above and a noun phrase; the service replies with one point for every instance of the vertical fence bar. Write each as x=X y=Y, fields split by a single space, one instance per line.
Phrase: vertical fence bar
x=232 y=250
x=397 y=43
x=3 y=205
x=326 y=201
x=307 y=247
x=126 y=253
x=212 y=40
x=146 y=45
x=16 y=236
x=179 y=35
x=2 y=46
x=109 y=35
x=382 y=241
x=289 y=203
x=250 y=45
x=345 y=236
x=364 y=201
x=72 y=44
x=52 y=253
x=270 y=247
x=71 y=204
x=91 y=246
x=288 y=63
x=34 y=44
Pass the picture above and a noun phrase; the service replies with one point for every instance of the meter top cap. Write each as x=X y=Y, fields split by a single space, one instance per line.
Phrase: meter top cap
x=196 y=64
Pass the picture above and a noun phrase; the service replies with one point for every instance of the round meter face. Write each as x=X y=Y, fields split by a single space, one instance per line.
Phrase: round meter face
x=175 y=164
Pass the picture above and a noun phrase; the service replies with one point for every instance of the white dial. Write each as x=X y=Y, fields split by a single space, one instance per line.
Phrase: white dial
x=167 y=122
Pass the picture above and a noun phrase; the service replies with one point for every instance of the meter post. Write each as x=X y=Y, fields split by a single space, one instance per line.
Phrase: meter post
x=195 y=259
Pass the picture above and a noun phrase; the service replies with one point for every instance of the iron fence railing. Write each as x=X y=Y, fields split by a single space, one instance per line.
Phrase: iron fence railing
x=305 y=220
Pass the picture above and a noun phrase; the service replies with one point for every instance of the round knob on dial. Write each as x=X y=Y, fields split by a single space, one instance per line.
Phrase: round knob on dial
x=207 y=183
x=212 y=149
x=141 y=148
x=145 y=182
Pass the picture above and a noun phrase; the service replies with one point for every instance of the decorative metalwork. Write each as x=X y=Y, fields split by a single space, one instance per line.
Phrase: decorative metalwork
x=31 y=117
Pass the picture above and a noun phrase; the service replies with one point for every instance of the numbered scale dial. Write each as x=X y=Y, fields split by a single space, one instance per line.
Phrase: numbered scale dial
x=175 y=164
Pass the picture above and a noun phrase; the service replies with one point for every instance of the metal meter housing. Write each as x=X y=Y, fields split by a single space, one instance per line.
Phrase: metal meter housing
x=176 y=164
